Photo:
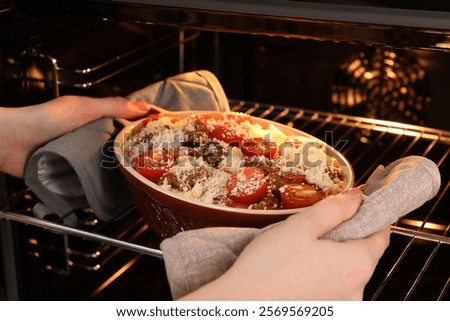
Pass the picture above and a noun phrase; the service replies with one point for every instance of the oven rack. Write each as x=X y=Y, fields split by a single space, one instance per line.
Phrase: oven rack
x=55 y=73
x=415 y=266
x=140 y=249
x=40 y=58
x=92 y=236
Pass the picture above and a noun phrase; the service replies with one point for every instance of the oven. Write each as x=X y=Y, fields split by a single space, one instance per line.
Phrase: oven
x=372 y=75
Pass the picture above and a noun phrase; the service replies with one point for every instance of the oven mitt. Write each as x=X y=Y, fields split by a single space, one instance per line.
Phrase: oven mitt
x=194 y=258
x=78 y=170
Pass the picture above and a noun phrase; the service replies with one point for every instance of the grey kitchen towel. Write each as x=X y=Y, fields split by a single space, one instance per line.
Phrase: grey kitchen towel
x=74 y=172
x=78 y=171
x=194 y=258
x=196 y=90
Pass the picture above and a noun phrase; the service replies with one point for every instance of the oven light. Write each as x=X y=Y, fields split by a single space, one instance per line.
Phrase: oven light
x=403 y=90
x=353 y=66
x=371 y=74
x=390 y=54
x=389 y=62
x=35 y=73
x=382 y=84
x=93 y=222
x=443 y=45
x=11 y=61
x=391 y=74
x=427 y=225
x=359 y=72
x=32 y=241
x=96 y=254
x=354 y=97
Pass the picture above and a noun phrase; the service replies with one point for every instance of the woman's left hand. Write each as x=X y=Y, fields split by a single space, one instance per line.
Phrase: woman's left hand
x=25 y=129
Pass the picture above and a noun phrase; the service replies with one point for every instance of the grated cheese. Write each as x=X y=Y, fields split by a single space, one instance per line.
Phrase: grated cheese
x=192 y=176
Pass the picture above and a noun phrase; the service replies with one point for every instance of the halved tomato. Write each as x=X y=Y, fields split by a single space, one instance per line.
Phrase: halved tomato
x=226 y=133
x=259 y=147
x=247 y=186
x=153 y=164
x=226 y=127
x=300 y=195
x=292 y=177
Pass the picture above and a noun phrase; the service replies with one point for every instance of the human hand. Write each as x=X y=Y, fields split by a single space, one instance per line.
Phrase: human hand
x=27 y=128
x=290 y=262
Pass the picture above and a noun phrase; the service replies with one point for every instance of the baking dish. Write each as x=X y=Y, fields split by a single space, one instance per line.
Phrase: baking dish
x=168 y=213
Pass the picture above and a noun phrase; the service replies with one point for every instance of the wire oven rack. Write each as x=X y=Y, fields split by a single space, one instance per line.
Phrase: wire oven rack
x=42 y=62
x=414 y=267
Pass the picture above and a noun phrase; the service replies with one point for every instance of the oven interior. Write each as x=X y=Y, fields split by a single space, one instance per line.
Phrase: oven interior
x=380 y=100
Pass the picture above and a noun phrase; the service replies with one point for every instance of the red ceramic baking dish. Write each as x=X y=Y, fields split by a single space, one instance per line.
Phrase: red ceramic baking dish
x=168 y=213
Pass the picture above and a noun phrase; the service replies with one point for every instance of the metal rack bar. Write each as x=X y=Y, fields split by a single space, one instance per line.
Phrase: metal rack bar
x=420 y=235
x=58 y=228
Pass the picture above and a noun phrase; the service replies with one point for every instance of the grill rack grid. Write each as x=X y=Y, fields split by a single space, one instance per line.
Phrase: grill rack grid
x=416 y=265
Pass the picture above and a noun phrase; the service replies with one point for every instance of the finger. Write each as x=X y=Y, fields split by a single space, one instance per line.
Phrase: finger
x=330 y=212
x=81 y=109
x=122 y=108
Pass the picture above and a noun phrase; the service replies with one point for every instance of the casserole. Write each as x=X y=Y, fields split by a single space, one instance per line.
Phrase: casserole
x=168 y=213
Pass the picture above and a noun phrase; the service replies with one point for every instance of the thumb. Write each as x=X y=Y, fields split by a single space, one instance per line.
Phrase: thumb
x=325 y=215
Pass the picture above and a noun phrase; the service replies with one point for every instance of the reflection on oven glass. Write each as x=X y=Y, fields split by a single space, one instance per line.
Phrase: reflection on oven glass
x=382 y=84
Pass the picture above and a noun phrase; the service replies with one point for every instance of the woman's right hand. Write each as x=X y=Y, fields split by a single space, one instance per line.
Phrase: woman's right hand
x=290 y=261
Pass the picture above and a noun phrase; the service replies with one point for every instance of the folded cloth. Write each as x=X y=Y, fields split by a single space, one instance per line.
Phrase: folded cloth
x=194 y=258
x=66 y=174
x=196 y=90
x=76 y=170
x=392 y=192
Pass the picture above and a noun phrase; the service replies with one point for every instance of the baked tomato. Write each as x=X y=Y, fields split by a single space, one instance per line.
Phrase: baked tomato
x=226 y=133
x=224 y=127
x=300 y=195
x=259 y=147
x=153 y=164
x=247 y=186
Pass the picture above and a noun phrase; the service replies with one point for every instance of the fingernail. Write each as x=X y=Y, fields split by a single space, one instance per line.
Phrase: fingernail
x=142 y=105
x=354 y=193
